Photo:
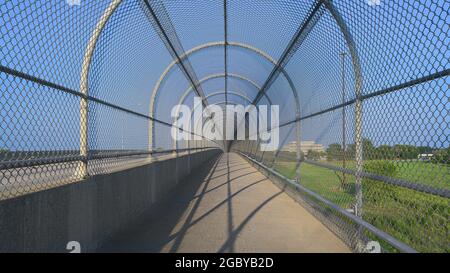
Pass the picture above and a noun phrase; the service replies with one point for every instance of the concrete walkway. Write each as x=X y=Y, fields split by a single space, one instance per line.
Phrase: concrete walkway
x=228 y=207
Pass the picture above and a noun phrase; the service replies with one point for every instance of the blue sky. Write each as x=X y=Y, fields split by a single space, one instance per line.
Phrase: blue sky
x=396 y=41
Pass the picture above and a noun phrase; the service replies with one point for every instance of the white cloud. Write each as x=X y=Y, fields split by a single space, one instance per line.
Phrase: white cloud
x=73 y=2
x=374 y=2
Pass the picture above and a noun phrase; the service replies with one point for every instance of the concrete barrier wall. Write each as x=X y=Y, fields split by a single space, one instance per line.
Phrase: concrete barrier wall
x=92 y=210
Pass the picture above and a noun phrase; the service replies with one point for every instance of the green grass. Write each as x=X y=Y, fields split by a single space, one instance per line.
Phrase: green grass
x=427 y=173
x=418 y=219
x=436 y=175
x=322 y=181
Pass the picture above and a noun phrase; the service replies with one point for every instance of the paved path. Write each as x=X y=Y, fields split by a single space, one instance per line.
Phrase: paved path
x=228 y=207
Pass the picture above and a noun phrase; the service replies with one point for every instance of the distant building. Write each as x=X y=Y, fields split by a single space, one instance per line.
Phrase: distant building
x=425 y=157
x=305 y=146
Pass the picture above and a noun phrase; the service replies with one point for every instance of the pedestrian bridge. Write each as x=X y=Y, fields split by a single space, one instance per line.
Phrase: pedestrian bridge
x=228 y=206
x=93 y=153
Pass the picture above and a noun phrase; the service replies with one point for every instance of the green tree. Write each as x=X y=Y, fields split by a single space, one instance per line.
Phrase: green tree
x=368 y=149
x=441 y=156
x=313 y=155
x=424 y=150
x=384 y=152
x=406 y=151
x=350 y=151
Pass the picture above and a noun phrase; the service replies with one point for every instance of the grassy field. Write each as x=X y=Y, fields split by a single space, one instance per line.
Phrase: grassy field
x=435 y=175
x=418 y=219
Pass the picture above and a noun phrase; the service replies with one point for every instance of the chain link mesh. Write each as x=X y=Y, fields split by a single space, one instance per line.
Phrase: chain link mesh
x=42 y=49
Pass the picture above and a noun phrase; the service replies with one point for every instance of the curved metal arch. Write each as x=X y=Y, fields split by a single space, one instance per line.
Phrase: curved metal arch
x=174 y=142
x=214 y=76
x=221 y=75
x=205 y=46
x=240 y=77
x=87 y=59
x=111 y=9
x=223 y=102
x=84 y=78
x=229 y=92
x=358 y=104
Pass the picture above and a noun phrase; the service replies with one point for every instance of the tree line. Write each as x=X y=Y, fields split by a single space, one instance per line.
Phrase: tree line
x=371 y=152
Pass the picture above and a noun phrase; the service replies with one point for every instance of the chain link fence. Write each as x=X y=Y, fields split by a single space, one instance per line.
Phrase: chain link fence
x=87 y=88
x=53 y=129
